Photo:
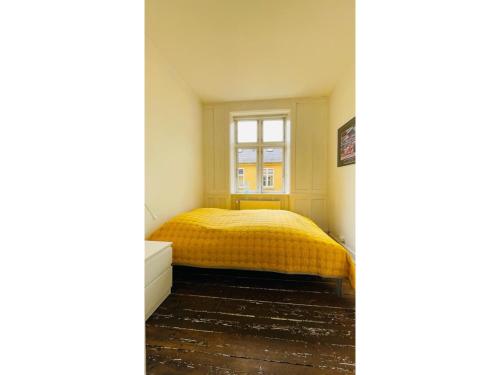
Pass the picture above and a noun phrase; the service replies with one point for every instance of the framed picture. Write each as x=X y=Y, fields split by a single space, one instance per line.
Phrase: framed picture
x=346 y=143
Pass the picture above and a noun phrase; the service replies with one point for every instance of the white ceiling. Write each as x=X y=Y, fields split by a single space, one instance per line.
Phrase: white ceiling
x=229 y=50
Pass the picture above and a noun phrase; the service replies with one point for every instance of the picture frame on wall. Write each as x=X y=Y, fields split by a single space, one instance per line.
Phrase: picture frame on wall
x=346 y=143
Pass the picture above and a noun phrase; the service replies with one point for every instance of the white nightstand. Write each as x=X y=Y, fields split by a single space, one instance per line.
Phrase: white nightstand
x=157 y=274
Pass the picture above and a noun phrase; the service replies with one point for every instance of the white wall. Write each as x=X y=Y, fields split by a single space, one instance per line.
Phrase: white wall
x=341 y=187
x=309 y=151
x=173 y=142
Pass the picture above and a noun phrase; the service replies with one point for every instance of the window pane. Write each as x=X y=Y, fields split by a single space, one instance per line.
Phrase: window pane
x=272 y=172
x=247 y=170
x=273 y=130
x=268 y=178
x=247 y=131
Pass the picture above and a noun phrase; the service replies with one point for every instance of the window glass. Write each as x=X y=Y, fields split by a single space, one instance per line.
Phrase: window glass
x=246 y=160
x=273 y=130
x=241 y=178
x=247 y=131
x=272 y=169
x=268 y=178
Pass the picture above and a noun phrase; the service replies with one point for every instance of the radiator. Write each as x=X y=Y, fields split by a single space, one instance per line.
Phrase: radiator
x=248 y=204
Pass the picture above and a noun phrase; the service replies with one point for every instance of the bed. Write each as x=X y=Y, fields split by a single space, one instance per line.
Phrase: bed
x=263 y=240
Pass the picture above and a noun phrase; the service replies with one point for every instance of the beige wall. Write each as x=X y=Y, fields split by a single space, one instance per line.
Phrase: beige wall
x=308 y=159
x=173 y=143
x=341 y=179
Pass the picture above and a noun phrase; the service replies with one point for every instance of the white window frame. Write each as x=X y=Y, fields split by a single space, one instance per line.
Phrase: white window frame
x=259 y=146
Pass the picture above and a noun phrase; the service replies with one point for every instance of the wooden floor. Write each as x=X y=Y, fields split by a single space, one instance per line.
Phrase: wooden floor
x=226 y=322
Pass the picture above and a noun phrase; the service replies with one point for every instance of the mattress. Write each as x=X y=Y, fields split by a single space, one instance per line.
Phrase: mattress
x=264 y=240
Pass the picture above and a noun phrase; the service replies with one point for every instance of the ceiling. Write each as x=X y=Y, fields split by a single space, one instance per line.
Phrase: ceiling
x=229 y=50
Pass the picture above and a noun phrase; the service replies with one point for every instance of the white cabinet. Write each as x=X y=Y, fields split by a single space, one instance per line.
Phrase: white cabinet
x=157 y=274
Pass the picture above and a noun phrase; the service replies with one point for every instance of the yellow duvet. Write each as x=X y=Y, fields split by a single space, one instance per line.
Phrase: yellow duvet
x=265 y=240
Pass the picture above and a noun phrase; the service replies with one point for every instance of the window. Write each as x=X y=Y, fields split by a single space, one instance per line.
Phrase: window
x=247 y=131
x=268 y=178
x=260 y=145
x=241 y=177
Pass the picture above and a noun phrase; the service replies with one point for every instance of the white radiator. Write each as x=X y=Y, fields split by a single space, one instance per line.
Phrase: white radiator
x=254 y=204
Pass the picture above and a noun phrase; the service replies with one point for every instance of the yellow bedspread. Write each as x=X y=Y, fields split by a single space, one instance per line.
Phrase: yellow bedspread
x=266 y=240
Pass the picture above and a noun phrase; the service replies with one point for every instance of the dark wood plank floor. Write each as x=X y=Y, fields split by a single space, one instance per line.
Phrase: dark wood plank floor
x=227 y=322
